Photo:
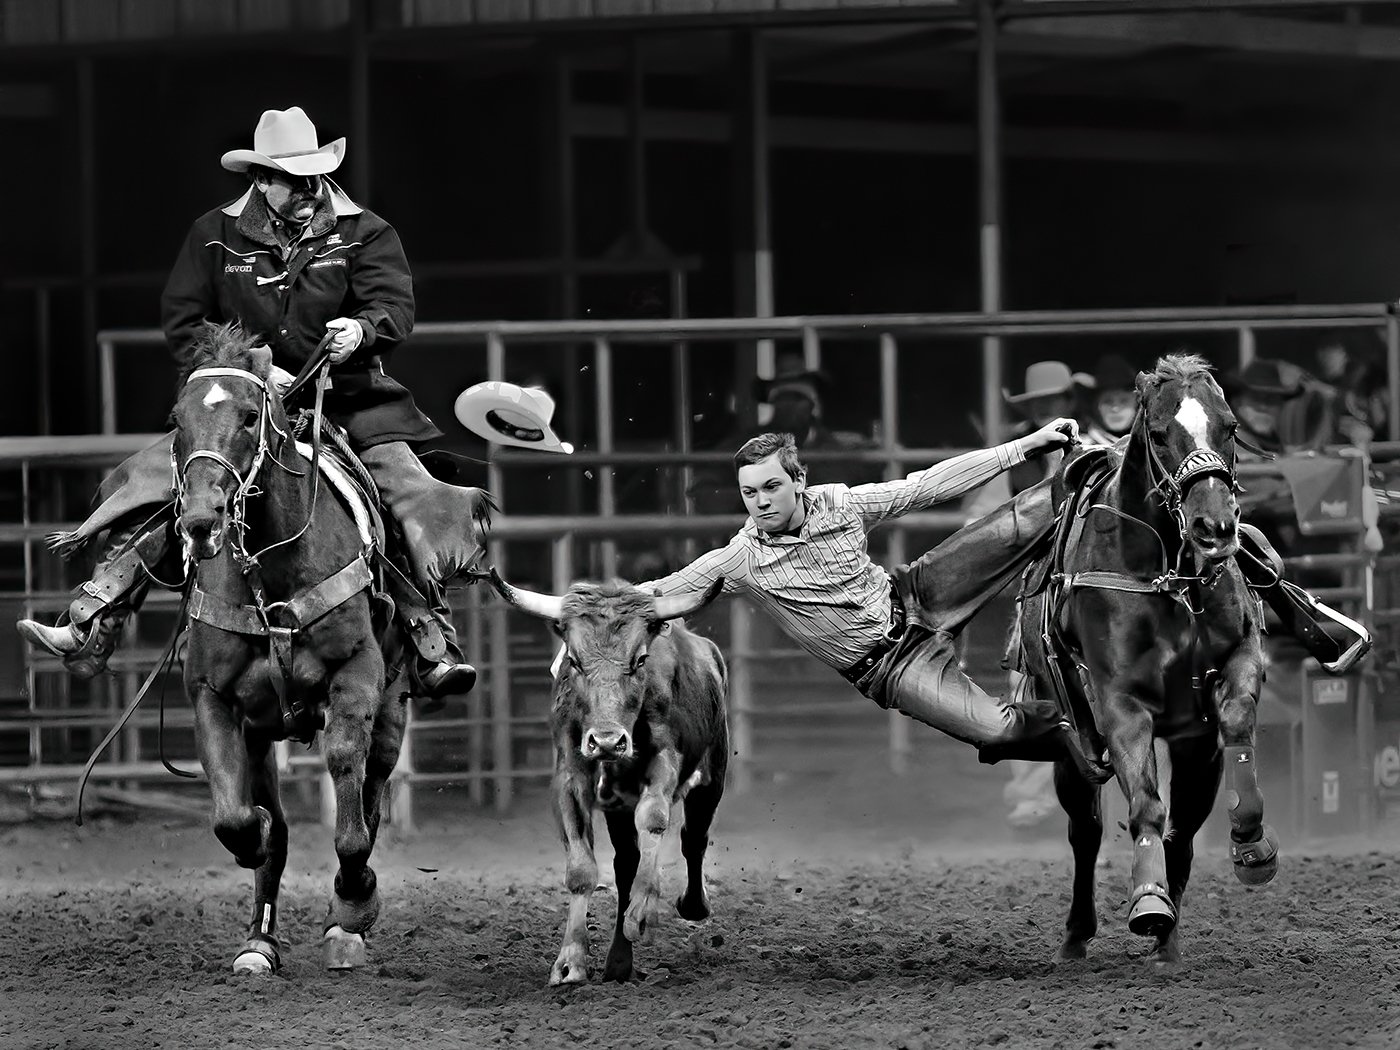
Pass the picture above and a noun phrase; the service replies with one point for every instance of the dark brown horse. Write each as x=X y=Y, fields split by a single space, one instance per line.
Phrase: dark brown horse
x=285 y=638
x=1148 y=624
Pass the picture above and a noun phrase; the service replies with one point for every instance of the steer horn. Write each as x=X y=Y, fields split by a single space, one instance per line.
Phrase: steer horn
x=545 y=606
x=679 y=605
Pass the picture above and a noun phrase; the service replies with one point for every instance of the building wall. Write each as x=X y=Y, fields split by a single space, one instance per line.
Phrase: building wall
x=461 y=165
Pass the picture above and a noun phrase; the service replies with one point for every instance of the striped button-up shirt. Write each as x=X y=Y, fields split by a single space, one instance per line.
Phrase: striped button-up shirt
x=820 y=585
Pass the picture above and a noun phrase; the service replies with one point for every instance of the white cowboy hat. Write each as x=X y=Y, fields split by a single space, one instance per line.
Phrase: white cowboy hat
x=510 y=415
x=285 y=139
x=1048 y=378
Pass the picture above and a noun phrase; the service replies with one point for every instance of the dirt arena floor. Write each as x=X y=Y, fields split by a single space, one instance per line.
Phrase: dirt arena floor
x=855 y=909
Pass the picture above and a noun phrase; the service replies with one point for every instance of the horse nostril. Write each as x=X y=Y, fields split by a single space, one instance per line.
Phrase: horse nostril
x=1212 y=530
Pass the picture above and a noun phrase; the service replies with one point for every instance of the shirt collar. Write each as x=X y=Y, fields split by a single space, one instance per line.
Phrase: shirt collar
x=752 y=530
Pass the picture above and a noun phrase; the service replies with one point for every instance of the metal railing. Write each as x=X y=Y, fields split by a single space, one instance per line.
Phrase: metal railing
x=494 y=726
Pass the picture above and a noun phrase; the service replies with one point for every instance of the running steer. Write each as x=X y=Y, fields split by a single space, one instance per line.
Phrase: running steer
x=639 y=724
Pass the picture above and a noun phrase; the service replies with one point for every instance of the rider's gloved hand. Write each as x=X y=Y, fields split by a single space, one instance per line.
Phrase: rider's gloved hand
x=1057 y=434
x=348 y=337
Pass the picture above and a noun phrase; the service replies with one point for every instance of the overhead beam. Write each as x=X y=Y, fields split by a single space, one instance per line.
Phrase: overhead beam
x=1225 y=30
x=919 y=139
x=872 y=50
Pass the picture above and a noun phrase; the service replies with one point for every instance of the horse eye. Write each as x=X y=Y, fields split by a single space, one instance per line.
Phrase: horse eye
x=637 y=663
x=250 y=419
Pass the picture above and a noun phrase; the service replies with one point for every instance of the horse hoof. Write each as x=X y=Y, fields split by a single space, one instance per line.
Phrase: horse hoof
x=253 y=963
x=693 y=909
x=1071 y=952
x=1256 y=863
x=1257 y=874
x=257 y=956
x=341 y=950
x=567 y=974
x=1152 y=914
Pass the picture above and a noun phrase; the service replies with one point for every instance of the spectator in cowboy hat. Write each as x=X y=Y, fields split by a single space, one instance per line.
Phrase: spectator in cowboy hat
x=1281 y=408
x=1352 y=363
x=297 y=262
x=798 y=397
x=1112 y=401
x=1051 y=391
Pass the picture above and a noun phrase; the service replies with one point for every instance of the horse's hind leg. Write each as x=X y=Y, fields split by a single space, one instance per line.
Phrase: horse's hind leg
x=261 y=951
x=1080 y=799
x=354 y=694
x=1253 y=844
x=1194 y=782
x=243 y=828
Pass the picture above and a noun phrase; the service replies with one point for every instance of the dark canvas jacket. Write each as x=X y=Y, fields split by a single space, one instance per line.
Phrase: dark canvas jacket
x=348 y=264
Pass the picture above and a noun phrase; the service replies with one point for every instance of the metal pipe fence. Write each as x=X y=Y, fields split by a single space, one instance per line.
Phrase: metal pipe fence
x=499 y=715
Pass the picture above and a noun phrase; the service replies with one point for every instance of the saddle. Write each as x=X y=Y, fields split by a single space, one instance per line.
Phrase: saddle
x=395 y=589
x=1037 y=640
x=1075 y=485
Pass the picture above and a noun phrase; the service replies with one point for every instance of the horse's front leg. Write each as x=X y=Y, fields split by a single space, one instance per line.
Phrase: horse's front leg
x=351 y=706
x=1253 y=844
x=244 y=829
x=1127 y=726
x=261 y=951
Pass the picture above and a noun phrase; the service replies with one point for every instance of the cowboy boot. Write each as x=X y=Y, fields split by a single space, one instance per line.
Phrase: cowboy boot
x=435 y=667
x=1335 y=640
x=437 y=526
x=1057 y=743
x=927 y=684
x=448 y=675
x=94 y=621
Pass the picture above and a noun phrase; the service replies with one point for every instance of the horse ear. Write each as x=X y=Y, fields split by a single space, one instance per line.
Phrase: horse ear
x=1143 y=382
x=262 y=360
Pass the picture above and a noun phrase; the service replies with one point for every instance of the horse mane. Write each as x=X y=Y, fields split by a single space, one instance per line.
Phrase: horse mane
x=1183 y=365
x=226 y=345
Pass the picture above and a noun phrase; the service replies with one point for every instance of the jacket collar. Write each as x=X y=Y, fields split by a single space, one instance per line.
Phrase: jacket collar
x=254 y=223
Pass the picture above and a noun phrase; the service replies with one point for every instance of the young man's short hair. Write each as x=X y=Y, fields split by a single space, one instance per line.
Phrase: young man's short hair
x=784 y=446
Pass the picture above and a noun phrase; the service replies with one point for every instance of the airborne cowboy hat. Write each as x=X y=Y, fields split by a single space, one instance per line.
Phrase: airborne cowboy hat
x=1046 y=379
x=285 y=140
x=510 y=415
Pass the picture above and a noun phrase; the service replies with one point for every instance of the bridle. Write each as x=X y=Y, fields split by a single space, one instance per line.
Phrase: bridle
x=238 y=524
x=245 y=484
x=1173 y=486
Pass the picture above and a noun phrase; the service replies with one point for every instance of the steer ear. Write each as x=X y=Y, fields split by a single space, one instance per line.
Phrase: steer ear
x=681 y=605
x=545 y=606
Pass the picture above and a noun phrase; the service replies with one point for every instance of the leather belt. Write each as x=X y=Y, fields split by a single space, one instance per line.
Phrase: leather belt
x=898 y=617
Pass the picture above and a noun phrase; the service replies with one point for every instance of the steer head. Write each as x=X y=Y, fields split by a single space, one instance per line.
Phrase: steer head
x=607 y=629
